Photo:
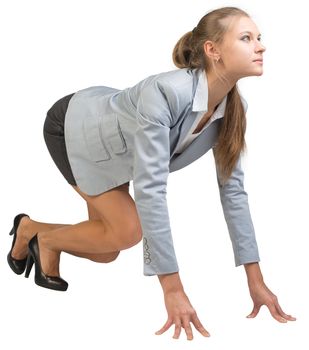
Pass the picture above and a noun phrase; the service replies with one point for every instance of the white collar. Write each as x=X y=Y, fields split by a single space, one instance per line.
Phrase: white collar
x=200 y=101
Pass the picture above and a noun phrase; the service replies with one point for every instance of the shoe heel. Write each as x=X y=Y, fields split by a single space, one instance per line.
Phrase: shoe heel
x=29 y=264
x=12 y=231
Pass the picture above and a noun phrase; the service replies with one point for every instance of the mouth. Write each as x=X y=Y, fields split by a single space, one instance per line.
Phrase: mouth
x=259 y=60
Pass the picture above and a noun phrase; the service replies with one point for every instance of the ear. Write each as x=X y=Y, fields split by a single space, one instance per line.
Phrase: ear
x=210 y=50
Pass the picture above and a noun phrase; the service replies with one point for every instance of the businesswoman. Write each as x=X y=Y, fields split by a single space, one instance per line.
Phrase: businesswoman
x=101 y=138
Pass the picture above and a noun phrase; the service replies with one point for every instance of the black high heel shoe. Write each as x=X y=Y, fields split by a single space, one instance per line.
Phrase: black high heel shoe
x=17 y=265
x=42 y=280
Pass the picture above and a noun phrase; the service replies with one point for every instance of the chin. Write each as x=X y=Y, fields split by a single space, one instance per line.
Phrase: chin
x=259 y=73
x=255 y=73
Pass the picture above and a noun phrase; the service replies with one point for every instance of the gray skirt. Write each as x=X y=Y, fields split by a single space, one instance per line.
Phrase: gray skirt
x=53 y=131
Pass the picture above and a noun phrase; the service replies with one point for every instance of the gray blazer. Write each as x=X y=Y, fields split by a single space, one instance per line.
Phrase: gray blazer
x=114 y=136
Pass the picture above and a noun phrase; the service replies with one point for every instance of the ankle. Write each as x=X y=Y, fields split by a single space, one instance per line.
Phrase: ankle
x=26 y=228
x=46 y=242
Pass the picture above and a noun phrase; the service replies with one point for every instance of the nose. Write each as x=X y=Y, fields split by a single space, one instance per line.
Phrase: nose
x=260 y=47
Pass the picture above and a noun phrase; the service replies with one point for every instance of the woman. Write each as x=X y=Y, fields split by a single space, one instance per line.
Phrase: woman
x=101 y=138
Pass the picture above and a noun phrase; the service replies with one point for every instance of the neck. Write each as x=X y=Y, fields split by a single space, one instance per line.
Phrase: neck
x=218 y=89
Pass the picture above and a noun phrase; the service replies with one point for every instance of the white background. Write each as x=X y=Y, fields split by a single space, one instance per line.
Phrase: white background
x=53 y=48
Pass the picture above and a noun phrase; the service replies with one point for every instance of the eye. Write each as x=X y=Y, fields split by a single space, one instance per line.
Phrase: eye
x=247 y=36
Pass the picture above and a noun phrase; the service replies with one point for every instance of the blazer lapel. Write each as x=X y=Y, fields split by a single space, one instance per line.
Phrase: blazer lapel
x=208 y=137
x=182 y=130
x=197 y=148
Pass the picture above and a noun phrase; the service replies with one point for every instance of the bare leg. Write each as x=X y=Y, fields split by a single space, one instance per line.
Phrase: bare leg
x=26 y=230
x=113 y=226
x=87 y=237
x=29 y=227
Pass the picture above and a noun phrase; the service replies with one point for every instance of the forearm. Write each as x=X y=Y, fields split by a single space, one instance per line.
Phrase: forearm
x=254 y=274
x=171 y=282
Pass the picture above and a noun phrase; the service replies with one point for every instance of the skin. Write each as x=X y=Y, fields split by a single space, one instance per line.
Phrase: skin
x=237 y=53
x=113 y=223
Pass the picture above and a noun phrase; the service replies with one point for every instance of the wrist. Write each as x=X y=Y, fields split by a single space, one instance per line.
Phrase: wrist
x=171 y=282
x=254 y=274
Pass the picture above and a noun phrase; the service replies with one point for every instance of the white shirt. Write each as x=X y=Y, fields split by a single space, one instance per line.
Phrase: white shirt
x=218 y=113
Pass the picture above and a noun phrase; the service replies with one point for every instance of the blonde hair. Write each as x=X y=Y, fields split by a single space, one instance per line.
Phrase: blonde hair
x=189 y=53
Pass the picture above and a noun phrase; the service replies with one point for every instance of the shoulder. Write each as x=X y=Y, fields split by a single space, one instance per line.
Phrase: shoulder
x=173 y=89
x=176 y=81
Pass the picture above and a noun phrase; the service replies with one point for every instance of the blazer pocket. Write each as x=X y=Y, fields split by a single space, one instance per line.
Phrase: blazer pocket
x=94 y=141
x=112 y=133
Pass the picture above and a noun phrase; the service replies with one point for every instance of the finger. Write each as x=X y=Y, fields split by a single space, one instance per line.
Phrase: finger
x=187 y=327
x=198 y=325
x=283 y=314
x=275 y=314
x=177 y=330
x=255 y=311
x=165 y=327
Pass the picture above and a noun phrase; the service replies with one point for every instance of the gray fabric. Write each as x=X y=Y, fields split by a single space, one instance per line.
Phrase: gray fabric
x=114 y=136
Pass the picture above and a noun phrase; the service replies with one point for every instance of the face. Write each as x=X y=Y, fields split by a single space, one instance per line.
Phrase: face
x=240 y=49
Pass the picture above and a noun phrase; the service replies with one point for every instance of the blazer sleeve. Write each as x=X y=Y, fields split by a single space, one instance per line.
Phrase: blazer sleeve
x=234 y=200
x=150 y=174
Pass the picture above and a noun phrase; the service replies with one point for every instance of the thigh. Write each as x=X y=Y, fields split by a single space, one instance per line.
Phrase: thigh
x=116 y=208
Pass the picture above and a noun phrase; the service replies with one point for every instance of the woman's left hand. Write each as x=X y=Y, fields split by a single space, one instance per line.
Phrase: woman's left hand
x=261 y=295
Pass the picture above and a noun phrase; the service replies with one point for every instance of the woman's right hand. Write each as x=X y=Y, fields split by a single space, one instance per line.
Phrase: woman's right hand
x=181 y=313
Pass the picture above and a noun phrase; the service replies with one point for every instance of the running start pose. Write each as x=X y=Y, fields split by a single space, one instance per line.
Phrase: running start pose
x=101 y=138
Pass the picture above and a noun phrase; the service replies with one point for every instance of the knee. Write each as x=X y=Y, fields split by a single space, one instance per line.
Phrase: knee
x=137 y=236
x=106 y=257
x=133 y=236
x=112 y=257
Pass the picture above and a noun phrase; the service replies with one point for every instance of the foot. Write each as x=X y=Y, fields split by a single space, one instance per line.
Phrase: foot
x=20 y=249
x=49 y=258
